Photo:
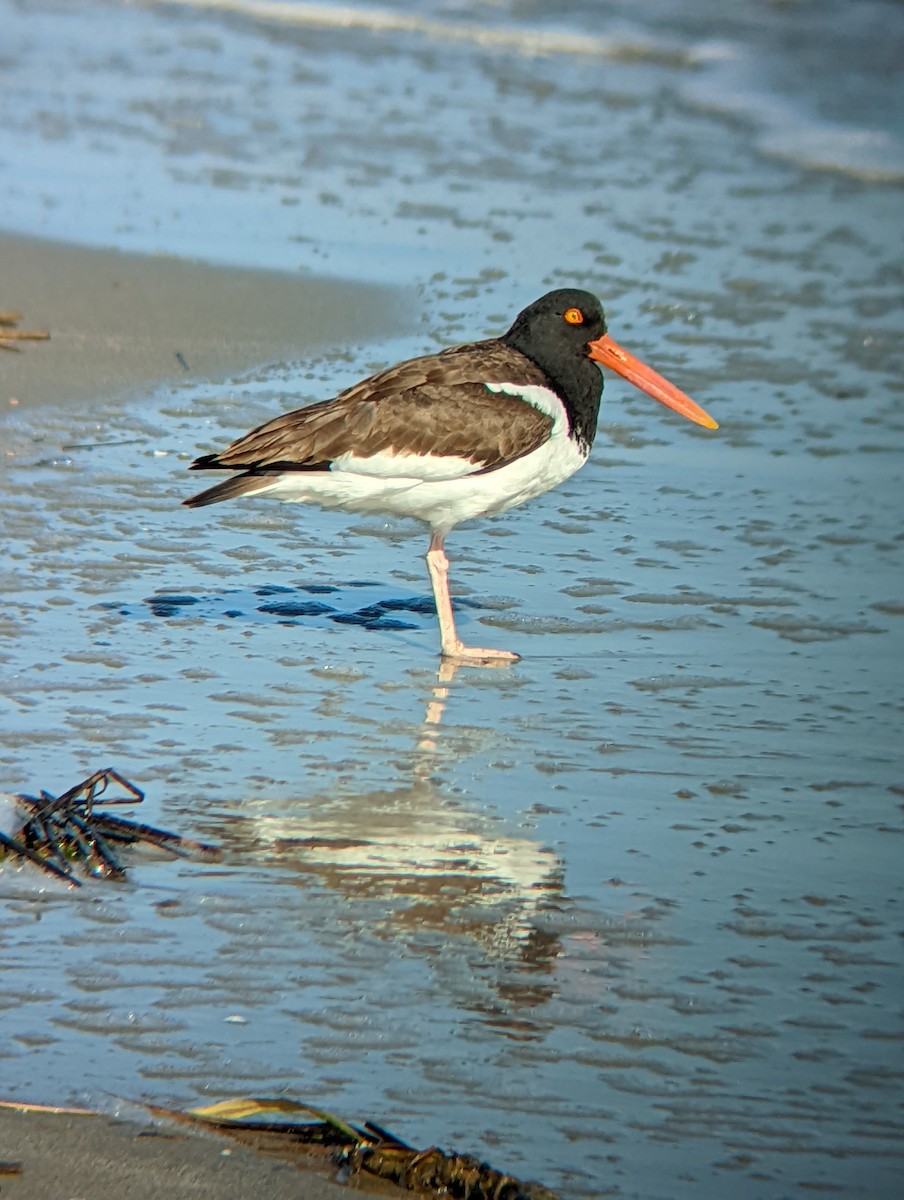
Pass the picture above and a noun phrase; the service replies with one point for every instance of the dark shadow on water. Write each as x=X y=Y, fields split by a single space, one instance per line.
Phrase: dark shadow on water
x=309 y=604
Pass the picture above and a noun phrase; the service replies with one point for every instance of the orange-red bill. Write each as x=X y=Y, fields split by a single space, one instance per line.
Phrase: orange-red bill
x=607 y=351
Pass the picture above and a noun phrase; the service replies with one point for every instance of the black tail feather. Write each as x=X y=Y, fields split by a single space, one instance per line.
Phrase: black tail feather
x=227 y=489
x=208 y=462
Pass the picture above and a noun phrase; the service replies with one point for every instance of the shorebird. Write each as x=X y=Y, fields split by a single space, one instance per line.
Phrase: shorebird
x=472 y=430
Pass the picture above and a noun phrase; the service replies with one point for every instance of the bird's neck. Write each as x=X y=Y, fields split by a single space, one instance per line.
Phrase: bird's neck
x=579 y=385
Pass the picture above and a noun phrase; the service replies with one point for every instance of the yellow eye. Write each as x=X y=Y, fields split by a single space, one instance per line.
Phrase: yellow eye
x=574 y=316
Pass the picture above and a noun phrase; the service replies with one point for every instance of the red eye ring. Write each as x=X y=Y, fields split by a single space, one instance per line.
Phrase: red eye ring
x=574 y=316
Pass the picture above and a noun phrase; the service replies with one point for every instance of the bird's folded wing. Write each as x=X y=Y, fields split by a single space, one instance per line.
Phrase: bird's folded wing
x=438 y=406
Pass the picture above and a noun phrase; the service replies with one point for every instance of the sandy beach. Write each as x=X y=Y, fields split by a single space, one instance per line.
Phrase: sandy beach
x=46 y=1156
x=118 y=322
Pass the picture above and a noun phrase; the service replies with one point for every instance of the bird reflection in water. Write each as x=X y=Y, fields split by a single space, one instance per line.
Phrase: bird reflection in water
x=417 y=860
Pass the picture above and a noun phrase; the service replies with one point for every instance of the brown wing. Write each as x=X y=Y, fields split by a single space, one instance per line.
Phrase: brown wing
x=437 y=405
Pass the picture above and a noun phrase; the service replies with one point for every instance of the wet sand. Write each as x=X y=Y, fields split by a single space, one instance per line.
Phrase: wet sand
x=626 y=917
x=121 y=321
x=63 y=1156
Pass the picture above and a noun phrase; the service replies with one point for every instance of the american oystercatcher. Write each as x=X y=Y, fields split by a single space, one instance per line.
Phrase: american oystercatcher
x=473 y=430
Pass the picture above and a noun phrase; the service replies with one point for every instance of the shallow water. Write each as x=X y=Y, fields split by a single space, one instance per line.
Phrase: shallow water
x=626 y=917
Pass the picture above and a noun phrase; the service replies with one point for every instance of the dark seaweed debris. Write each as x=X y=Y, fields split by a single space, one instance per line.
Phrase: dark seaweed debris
x=436 y=1172
x=368 y=1151
x=61 y=834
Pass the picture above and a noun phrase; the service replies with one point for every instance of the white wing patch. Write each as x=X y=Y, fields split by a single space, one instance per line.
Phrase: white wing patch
x=541 y=398
x=403 y=464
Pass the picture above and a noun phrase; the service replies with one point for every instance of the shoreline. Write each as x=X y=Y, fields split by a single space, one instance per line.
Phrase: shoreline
x=121 y=322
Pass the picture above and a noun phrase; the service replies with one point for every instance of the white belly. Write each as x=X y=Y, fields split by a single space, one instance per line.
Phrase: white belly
x=441 y=503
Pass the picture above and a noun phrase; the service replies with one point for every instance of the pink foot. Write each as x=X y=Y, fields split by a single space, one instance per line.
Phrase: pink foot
x=477 y=656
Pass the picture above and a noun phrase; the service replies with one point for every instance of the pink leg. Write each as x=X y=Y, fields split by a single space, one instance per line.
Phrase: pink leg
x=438 y=566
